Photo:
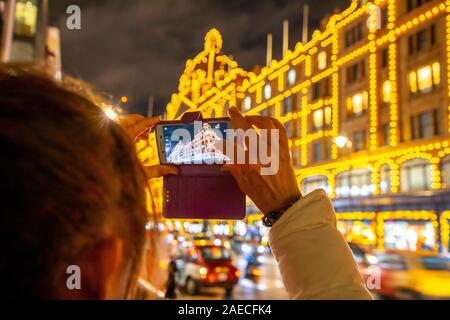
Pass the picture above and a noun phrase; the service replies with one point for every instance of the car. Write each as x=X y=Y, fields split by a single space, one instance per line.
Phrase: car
x=359 y=253
x=408 y=275
x=205 y=264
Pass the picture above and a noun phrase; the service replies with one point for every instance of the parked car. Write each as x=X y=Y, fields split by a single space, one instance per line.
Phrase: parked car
x=206 y=265
x=408 y=275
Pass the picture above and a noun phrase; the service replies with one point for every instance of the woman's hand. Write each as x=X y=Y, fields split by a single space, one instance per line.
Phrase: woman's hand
x=138 y=128
x=269 y=192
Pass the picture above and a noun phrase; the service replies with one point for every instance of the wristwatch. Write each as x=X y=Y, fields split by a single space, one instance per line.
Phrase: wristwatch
x=271 y=218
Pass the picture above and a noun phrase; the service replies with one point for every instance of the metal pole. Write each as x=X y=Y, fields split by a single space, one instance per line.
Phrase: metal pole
x=7 y=32
x=150 y=107
x=269 y=49
x=305 y=24
x=285 y=37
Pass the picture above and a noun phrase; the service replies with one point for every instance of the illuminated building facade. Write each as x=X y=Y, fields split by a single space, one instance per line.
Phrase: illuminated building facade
x=367 y=108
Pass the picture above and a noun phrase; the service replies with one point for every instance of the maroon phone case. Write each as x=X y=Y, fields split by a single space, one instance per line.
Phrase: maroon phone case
x=202 y=191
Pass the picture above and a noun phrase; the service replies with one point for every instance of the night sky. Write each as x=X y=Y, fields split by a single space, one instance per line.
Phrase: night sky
x=139 y=48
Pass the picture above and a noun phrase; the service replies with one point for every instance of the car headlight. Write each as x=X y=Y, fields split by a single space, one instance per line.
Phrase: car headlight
x=203 y=271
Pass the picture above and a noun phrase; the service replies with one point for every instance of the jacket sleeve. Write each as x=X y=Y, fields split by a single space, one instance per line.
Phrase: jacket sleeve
x=314 y=259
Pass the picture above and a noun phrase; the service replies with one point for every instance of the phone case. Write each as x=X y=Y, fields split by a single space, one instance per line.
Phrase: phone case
x=202 y=191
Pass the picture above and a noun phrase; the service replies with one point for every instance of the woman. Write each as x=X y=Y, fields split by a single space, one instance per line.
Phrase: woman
x=73 y=195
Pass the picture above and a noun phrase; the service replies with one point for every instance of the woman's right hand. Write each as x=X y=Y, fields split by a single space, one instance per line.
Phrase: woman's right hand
x=270 y=193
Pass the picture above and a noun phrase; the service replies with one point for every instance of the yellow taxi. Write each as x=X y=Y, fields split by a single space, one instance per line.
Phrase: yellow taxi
x=407 y=274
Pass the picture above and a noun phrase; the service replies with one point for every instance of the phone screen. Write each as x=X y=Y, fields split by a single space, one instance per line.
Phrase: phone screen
x=202 y=142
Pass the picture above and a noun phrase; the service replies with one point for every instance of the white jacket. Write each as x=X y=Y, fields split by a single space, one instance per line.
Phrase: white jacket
x=314 y=259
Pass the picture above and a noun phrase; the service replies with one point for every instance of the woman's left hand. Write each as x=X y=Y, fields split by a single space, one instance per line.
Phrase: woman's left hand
x=138 y=128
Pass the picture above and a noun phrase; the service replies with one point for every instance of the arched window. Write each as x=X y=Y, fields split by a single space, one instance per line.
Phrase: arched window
x=445 y=171
x=292 y=77
x=354 y=183
x=313 y=183
x=385 y=179
x=247 y=103
x=415 y=175
x=268 y=91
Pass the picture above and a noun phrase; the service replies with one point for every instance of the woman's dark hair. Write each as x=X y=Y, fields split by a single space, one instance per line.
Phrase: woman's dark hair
x=69 y=178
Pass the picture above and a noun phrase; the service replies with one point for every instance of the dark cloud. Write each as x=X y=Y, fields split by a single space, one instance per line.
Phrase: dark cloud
x=139 y=47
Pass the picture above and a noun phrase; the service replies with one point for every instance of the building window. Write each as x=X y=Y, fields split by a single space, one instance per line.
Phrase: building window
x=287 y=125
x=264 y=112
x=318 y=119
x=320 y=89
x=359 y=140
x=268 y=91
x=292 y=76
x=322 y=60
x=312 y=183
x=247 y=103
x=295 y=129
x=354 y=35
x=287 y=105
x=385 y=179
x=357 y=104
x=445 y=171
x=328 y=115
x=322 y=118
x=425 y=125
x=384 y=58
x=327 y=155
x=386 y=92
x=415 y=175
x=424 y=79
x=386 y=134
x=295 y=157
x=433 y=34
x=356 y=72
x=422 y=40
x=317 y=151
x=384 y=18
x=413 y=4
x=355 y=182
x=25 y=22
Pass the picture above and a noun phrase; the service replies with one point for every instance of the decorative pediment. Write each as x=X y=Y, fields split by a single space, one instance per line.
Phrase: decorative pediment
x=208 y=73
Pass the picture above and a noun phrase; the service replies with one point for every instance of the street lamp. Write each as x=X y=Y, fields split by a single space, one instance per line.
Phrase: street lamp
x=111 y=114
x=341 y=141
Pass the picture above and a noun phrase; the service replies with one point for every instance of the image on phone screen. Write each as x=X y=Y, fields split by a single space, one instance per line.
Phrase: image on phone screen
x=199 y=143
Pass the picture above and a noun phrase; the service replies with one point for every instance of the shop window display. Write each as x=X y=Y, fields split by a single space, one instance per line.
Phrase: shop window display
x=313 y=183
x=360 y=232
x=409 y=235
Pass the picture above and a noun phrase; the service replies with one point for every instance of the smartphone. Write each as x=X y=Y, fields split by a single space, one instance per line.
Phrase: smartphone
x=201 y=190
x=201 y=142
